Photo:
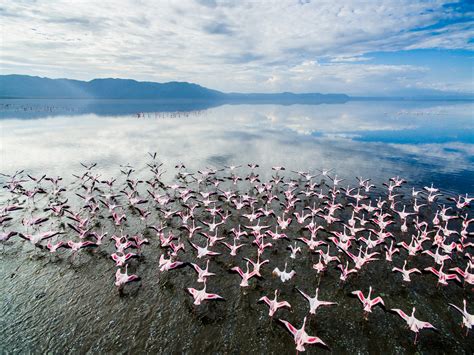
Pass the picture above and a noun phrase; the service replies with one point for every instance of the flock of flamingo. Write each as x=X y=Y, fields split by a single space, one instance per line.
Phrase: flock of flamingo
x=205 y=214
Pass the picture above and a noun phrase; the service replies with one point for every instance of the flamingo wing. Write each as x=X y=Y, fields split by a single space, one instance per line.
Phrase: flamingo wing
x=132 y=278
x=193 y=291
x=426 y=325
x=359 y=295
x=283 y=304
x=314 y=340
x=377 y=300
x=175 y=264
x=289 y=326
x=239 y=270
x=265 y=299
x=457 y=308
x=433 y=270
x=303 y=294
x=213 y=296
x=452 y=277
x=400 y=313
x=196 y=267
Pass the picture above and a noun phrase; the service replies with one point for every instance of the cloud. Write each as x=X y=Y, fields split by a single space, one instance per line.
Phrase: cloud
x=218 y=28
x=228 y=45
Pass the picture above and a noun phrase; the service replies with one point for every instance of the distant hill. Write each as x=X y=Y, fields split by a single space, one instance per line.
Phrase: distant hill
x=33 y=87
x=23 y=86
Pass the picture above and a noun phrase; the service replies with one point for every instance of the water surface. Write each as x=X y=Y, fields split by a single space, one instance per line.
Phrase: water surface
x=55 y=304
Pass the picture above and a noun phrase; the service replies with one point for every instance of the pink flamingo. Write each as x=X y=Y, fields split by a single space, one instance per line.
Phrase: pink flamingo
x=122 y=278
x=300 y=336
x=202 y=295
x=246 y=276
x=442 y=276
x=367 y=302
x=168 y=264
x=203 y=251
x=406 y=273
x=120 y=260
x=414 y=324
x=274 y=304
x=467 y=319
x=203 y=274
x=314 y=303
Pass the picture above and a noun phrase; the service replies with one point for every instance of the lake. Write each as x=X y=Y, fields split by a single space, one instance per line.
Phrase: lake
x=68 y=303
x=423 y=142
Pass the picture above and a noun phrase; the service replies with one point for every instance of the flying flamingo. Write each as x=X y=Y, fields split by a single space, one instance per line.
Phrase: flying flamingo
x=345 y=271
x=246 y=276
x=203 y=251
x=35 y=239
x=406 y=273
x=300 y=336
x=442 y=276
x=203 y=274
x=314 y=303
x=466 y=274
x=467 y=319
x=120 y=260
x=201 y=295
x=233 y=247
x=122 y=278
x=283 y=274
x=168 y=264
x=366 y=301
x=414 y=324
x=257 y=264
x=274 y=304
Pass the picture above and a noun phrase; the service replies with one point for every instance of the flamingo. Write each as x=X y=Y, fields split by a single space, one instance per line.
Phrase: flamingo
x=123 y=278
x=406 y=273
x=201 y=295
x=203 y=274
x=466 y=274
x=300 y=336
x=246 y=276
x=233 y=247
x=35 y=239
x=345 y=271
x=314 y=303
x=283 y=274
x=467 y=319
x=443 y=278
x=367 y=302
x=274 y=304
x=167 y=264
x=203 y=251
x=120 y=260
x=413 y=323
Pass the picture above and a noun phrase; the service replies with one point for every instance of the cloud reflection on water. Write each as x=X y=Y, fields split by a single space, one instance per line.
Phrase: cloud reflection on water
x=299 y=137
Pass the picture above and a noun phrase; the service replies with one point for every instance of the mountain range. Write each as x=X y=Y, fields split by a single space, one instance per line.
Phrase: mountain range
x=33 y=87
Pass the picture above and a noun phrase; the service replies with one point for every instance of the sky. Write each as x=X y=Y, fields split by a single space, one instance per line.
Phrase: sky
x=370 y=47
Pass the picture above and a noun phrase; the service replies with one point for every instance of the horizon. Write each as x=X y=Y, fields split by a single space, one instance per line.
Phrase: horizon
x=409 y=48
x=438 y=96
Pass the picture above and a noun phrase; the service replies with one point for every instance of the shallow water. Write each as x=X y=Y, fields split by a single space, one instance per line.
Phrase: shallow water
x=57 y=304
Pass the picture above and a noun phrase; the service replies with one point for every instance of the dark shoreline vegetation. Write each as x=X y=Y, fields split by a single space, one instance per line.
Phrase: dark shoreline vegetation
x=78 y=241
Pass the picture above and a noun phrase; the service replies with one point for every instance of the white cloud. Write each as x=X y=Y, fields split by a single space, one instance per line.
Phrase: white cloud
x=227 y=45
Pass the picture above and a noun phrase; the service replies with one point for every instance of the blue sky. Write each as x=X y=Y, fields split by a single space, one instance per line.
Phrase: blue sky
x=379 y=47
